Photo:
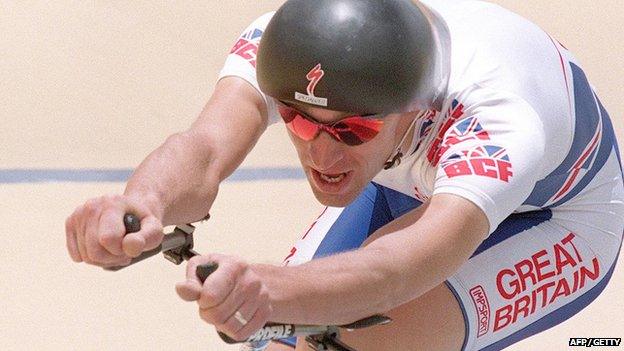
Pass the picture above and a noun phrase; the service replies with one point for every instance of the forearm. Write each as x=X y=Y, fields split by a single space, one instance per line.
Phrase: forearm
x=180 y=179
x=176 y=182
x=329 y=291
x=410 y=256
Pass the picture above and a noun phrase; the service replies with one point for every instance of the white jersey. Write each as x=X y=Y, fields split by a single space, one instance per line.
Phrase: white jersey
x=520 y=130
x=507 y=137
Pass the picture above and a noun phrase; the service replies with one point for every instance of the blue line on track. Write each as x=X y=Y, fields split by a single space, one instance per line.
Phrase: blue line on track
x=28 y=176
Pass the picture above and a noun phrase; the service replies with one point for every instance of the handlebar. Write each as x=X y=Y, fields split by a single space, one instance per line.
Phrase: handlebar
x=177 y=247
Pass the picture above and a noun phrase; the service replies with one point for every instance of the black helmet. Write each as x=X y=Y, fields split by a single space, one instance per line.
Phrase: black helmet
x=366 y=56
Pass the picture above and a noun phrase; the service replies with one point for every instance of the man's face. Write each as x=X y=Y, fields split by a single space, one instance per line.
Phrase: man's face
x=338 y=172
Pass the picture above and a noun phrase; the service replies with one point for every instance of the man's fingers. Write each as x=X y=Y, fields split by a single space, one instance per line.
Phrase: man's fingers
x=250 y=308
x=219 y=285
x=232 y=298
x=95 y=232
x=191 y=267
x=79 y=228
x=149 y=237
x=188 y=290
x=133 y=244
x=70 y=240
x=222 y=313
x=152 y=232
x=97 y=253
x=94 y=250
x=117 y=261
x=191 y=288
x=247 y=318
x=82 y=248
x=256 y=322
x=112 y=231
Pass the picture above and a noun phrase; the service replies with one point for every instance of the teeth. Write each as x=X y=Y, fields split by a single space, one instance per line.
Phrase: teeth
x=332 y=179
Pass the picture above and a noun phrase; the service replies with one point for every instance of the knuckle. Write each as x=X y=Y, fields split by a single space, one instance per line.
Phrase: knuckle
x=118 y=199
x=104 y=199
x=256 y=286
x=77 y=211
x=264 y=295
x=238 y=268
x=74 y=219
x=91 y=203
x=90 y=207
x=111 y=198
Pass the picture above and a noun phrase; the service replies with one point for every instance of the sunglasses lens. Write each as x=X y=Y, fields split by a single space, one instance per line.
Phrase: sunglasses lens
x=357 y=130
x=352 y=131
x=297 y=124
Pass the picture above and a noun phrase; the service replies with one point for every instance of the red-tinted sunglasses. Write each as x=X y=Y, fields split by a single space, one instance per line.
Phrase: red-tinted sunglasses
x=351 y=130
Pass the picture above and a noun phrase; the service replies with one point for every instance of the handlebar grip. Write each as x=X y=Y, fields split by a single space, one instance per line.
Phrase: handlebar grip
x=204 y=270
x=132 y=223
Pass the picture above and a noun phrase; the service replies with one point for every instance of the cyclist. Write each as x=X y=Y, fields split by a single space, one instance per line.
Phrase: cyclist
x=472 y=177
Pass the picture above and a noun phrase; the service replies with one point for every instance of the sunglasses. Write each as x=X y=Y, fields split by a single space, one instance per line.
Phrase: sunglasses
x=351 y=130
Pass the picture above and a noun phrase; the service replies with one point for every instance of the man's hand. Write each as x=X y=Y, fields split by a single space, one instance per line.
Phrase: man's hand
x=96 y=233
x=233 y=298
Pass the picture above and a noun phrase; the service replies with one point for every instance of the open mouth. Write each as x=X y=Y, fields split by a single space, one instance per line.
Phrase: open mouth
x=333 y=178
x=332 y=183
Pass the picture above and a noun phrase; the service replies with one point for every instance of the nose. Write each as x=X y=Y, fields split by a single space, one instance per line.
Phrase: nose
x=325 y=152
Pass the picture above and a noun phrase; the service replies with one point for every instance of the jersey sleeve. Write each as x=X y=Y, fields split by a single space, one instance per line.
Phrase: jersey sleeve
x=241 y=61
x=491 y=154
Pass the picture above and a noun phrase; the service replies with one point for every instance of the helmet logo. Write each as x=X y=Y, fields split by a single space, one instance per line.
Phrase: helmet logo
x=314 y=76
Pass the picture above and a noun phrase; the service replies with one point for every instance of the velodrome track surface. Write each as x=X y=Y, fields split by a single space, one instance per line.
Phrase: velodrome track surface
x=88 y=88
